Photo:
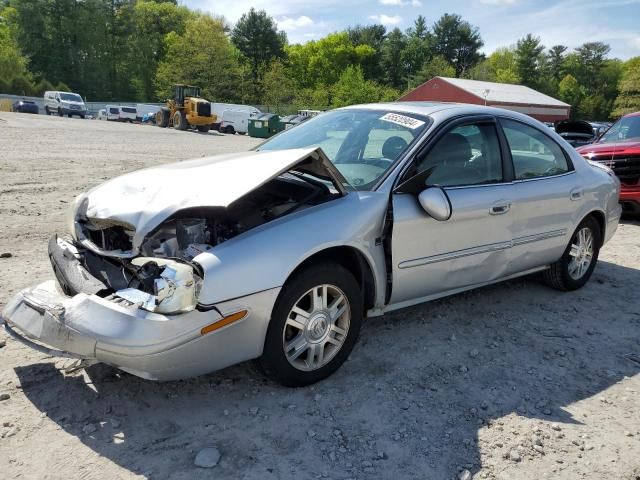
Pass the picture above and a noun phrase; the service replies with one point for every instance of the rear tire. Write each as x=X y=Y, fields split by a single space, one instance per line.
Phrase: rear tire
x=46 y=110
x=576 y=265
x=314 y=325
x=203 y=128
x=180 y=121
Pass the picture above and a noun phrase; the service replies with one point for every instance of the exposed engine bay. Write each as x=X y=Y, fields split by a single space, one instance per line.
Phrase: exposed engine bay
x=163 y=277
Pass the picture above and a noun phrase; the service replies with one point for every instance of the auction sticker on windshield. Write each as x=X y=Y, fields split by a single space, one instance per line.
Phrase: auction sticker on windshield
x=403 y=120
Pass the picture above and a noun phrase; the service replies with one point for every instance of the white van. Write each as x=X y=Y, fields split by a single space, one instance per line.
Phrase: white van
x=113 y=112
x=128 y=114
x=64 y=103
x=218 y=110
x=234 y=121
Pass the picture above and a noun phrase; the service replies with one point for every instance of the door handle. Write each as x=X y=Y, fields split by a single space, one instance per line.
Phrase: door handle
x=500 y=209
x=576 y=194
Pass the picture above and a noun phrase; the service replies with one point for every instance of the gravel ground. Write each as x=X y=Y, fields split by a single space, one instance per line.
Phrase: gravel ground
x=509 y=381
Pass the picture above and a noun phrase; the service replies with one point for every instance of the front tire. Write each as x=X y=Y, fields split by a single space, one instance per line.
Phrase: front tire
x=203 y=128
x=180 y=121
x=576 y=265
x=314 y=325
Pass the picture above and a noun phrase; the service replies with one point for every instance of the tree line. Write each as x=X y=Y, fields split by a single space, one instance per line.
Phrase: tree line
x=134 y=50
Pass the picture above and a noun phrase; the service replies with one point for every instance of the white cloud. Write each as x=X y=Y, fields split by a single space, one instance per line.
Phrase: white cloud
x=288 y=23
x=386 y=19
x=400 y=3
x=498 y=2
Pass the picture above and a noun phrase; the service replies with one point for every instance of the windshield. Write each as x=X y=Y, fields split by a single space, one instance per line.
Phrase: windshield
x=70 y=97
x=362 y=144
x=625 y=129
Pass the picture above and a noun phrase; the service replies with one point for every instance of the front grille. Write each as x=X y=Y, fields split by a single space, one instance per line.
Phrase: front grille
x=627 y=169
x=75 y=107
x=204 y=109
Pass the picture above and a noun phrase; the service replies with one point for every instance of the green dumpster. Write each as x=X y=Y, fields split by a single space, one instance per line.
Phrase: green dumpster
x=264 y=125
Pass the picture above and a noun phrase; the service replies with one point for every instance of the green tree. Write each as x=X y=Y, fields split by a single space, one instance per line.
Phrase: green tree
x=257 y=37
x=420 y=28
x=436 y=67
x=21 y=85
x=12 y=62
x=392 y=58
x=571 y=93
x=323 y=61
x=372 y=36
x=458 y=42
x=352 y=88
x=41 y=87
x=312 y=98
x=529 y=60
x=278 y=86
x=592 y=57
x=152 y=22
x=628 y=100
x=555 y=61
x=202 y=56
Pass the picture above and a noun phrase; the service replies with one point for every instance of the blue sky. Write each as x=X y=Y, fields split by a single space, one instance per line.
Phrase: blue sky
x=501 y=22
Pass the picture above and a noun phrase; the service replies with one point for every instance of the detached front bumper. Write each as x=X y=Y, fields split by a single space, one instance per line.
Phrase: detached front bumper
x=149 y=345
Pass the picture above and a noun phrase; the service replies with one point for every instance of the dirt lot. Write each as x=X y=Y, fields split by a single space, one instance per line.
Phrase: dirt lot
x=510 y=381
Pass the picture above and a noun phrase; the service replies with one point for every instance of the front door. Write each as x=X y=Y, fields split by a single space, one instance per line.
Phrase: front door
x=431 y=257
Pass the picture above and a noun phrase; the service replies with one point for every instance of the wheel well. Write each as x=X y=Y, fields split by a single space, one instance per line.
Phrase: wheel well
x=599 y=217
x=354 y=261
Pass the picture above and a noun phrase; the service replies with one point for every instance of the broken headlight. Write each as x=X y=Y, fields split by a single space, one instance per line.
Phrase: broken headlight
x=165 y=286
x=71 y=216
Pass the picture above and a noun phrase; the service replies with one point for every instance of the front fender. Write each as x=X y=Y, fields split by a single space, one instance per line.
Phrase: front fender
x=264 y=257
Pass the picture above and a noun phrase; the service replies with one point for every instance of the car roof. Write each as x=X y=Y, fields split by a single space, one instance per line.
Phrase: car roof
x=453 y=109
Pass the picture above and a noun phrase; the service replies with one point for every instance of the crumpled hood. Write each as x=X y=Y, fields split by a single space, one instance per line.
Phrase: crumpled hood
x=145 y=198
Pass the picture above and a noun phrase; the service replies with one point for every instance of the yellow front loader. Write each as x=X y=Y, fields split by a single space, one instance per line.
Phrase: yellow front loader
x=186 y=110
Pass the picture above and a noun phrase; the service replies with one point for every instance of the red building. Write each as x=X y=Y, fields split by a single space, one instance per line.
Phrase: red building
x=512 y=97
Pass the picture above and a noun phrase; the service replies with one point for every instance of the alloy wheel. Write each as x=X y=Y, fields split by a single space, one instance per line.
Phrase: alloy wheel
x=581 y=253
x=316 y=327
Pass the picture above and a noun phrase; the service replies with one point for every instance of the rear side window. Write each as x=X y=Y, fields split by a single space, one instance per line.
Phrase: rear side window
x=534 y=154
x=128 y=110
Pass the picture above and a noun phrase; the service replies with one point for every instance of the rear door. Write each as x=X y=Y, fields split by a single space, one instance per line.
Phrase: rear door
x=472 y=247
x=546 y=194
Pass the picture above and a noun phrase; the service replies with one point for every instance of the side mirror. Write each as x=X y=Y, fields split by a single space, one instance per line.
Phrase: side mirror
x=436 y=203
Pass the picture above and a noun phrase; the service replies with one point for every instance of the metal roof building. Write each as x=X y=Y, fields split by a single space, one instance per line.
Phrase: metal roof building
x=512 y=97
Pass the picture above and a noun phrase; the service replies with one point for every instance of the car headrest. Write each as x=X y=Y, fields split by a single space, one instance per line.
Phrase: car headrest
x=393 y=147
x=452 y=149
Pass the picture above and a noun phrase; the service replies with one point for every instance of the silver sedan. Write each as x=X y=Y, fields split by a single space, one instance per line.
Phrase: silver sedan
x=278 y=254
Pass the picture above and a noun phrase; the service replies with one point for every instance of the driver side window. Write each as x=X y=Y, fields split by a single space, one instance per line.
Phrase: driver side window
x=466 y=155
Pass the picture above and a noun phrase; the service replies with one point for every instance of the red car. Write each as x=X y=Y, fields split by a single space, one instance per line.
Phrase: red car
x=619 y=149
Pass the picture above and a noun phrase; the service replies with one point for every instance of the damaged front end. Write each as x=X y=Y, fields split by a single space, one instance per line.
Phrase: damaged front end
x=129 y=276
